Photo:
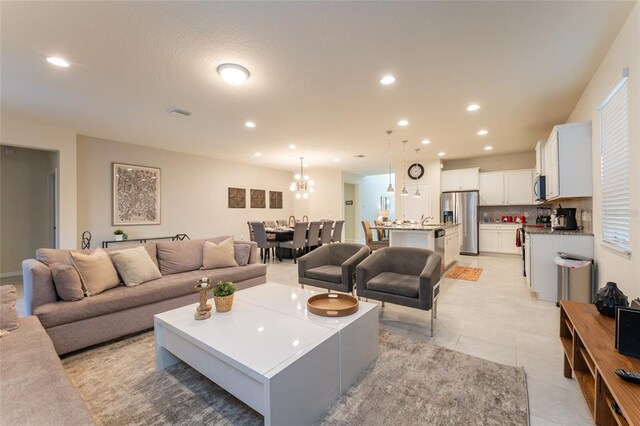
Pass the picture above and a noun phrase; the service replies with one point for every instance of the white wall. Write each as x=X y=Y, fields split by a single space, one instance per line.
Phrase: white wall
x=17 y=130
x=24 y=210
x=624 y=52
x=194 y=191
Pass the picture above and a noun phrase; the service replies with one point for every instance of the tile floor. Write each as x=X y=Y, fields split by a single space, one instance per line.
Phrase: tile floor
x=495 y=318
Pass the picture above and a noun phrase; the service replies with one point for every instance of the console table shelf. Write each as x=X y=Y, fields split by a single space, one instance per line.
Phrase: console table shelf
x=590 y=355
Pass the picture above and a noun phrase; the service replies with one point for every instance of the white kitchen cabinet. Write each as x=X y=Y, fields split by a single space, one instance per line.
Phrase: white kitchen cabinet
x=543 y=249
x=539 y=170
x=451 y=246
x=460 y=180
x=514 y=187
x=499 y=238
x=567 y=161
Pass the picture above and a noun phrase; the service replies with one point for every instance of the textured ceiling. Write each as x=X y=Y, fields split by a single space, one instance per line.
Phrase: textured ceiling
x=315 y=71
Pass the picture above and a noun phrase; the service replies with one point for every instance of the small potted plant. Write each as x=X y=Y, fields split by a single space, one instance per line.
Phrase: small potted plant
x=223 y=295
x=119 y=234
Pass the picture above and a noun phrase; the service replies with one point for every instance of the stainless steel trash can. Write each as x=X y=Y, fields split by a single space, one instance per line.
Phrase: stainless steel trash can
x=575 y=277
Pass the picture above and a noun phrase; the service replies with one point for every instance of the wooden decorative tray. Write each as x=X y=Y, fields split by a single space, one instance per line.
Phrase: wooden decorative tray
x=332 y=304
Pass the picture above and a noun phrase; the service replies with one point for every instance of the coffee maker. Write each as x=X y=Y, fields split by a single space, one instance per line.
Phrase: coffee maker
x=564 y=219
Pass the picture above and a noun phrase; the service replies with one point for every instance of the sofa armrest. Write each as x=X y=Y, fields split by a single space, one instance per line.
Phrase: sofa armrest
x=38 y=285
x=317 y=257
x=349 y=265
x=430 y=276
x=370 y=268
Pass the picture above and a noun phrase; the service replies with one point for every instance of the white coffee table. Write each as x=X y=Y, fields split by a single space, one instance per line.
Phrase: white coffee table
x=284 y=362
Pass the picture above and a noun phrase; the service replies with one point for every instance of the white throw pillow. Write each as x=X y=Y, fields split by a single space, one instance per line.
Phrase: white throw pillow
x=135 y=266
x=96 y=271
x=218 y=255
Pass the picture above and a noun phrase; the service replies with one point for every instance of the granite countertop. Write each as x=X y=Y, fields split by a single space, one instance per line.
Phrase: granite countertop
x=417 y=227
x=549 y=231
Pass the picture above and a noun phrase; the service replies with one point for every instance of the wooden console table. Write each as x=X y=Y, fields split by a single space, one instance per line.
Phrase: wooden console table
x=590 y=354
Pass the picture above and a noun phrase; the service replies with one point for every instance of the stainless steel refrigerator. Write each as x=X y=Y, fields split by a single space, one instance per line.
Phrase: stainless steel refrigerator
x=462 y=208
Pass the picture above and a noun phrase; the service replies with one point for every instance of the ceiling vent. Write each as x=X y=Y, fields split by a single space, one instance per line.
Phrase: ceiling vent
x=178 y=110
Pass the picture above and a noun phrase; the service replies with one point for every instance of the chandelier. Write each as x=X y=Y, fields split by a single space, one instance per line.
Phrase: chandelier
x=302 y=185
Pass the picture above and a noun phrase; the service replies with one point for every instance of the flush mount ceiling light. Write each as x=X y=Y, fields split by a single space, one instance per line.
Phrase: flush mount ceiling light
x=302 y=186
x=387 y=80
x=59 y=62
x=233 y=74
x=292 y=146
x=426 y=142
x=441 y=154
x=403 y=123
x=473 y=107
x=488 y=148
x=483 y=132
x=390 y=189
x=250 y=124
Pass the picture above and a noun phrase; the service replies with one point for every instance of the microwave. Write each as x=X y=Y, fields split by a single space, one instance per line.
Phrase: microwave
x=539 y=188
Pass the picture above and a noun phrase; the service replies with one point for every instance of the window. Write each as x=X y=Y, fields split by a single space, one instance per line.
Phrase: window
x=614 y=167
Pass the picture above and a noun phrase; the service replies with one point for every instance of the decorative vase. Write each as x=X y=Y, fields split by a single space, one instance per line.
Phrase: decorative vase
x=223 y=303
x=608 y=298
x=119 y=237
x=203 y=310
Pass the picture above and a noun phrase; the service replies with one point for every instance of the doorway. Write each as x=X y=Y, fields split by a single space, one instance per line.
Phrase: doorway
x=52 y=204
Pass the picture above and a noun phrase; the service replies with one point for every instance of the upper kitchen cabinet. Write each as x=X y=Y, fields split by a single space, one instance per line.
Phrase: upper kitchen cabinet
x=460 y=180
x=514 y=187
x=566 y=161
x=540 y=158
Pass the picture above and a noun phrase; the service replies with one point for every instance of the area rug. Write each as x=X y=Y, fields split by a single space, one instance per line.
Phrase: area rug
x=464 y=273
x=411 y=383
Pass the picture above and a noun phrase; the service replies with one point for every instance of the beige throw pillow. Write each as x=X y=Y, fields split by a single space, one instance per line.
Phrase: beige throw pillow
x=135 y=266
x=96 y=271
x=8 y=312
x=218 y=255
x=67 y=282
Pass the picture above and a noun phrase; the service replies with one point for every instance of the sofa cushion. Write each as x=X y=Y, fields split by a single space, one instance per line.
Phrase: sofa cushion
x=330 y=273
x=67 y=282
x=242 y=252
x=179 y=256
x=134 y=266
x=218 y=255
x=96 y=271
x=49 y=256
x=400 y=284
x=8 y=312
x=121 y=298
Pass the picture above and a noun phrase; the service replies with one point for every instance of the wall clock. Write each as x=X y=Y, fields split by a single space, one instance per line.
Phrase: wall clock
x=416 y=171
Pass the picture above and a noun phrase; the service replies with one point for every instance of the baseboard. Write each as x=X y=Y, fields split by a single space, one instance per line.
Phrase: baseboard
x=10 y=274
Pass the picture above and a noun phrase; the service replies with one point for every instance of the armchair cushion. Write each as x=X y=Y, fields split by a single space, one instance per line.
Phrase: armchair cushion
x=393 y=283
x=330 y=273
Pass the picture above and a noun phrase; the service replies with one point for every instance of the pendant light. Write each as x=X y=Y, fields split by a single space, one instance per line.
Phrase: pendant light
x=390 y=189
x=302 y=186
x=417 y=193
x=404 y=192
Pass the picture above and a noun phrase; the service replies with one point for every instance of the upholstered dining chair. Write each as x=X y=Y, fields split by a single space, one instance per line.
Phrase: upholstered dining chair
x=299 y=240
x=402 y=275
x=260 y=235
x=373 y=245
x=270 y=223
x=281 y=222
x=332 y=266
x=251 y=236
x=325 y=232
x=313 y=235
x=336 y=237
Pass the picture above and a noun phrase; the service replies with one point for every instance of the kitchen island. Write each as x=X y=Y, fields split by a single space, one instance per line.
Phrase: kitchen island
x=441 y=238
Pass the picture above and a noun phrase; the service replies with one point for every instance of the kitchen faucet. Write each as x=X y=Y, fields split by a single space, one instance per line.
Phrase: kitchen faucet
x=425 y=220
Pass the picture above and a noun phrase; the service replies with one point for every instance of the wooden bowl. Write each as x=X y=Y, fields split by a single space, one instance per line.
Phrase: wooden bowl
x=332 y=305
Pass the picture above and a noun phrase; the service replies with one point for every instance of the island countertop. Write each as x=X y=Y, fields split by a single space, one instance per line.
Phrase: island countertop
x=417 y=227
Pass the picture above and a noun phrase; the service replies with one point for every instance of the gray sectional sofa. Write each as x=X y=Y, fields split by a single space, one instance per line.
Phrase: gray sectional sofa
x=124 y=310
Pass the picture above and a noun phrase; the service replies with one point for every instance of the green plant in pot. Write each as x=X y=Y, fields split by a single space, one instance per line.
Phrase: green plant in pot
x=119 y=234
x=223 y=295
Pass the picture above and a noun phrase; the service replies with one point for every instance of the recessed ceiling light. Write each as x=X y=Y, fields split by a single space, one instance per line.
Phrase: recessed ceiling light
x=488 y=148
x=292 y=146
x=336 y=160
x=473 y=107
x=482 y=132
x=441 y=154
x=388 y=79
x=250 y=124
x=233 y=74
x=403 y=123
x=426 y=142
x=59 y=62
x=258 y=154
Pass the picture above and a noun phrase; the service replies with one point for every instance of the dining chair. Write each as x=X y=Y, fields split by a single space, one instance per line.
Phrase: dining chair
x=269 y=223
x=373 y=245
x=381 y=232
x=313 y=236
x=325 y=232
x=281 y=222
x=251 y=236
x=336 y=237
x=260 y=235
x=299 y=240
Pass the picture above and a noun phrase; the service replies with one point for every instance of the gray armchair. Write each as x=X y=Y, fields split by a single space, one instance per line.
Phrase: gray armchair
x=402 y=275
x=332 y=266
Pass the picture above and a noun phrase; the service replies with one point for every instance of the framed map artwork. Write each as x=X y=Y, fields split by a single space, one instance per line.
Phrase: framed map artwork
x=136 y=195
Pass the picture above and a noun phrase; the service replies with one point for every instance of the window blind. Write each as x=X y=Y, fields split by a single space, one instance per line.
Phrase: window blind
x=614 y=167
